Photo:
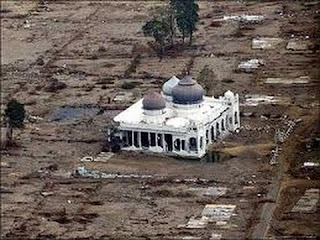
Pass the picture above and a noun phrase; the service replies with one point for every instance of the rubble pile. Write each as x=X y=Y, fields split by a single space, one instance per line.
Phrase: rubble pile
x=280 y=137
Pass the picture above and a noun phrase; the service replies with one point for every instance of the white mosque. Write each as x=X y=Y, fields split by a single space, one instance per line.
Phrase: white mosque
x=180 y=121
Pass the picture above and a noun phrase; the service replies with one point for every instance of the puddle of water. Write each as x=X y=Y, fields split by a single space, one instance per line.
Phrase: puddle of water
x=210 y=157
x=70 y=114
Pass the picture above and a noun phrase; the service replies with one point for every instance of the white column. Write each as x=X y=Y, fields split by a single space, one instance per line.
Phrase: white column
x=132 y=137
x=164 y=147
x=173 y=139
x=156 y=137
x=139 y=140
x=149 y=139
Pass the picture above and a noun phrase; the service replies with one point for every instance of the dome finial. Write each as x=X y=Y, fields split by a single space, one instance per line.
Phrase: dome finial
x=186 y=72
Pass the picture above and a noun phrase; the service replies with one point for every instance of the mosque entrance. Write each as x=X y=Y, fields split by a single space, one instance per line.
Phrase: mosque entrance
x=136 y=139
x=177 y=144
x=159 y=139
x=152 y=139
x=144 y=139
x=168 y=140
x=193 y=144
x=130 y=138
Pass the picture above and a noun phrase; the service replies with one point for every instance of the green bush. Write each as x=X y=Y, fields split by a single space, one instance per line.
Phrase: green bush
x=128 y=85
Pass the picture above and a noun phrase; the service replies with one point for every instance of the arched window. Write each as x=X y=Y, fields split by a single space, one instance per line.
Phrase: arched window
x=212 y=133
x=177 y=144
x=217 y=130
x=207 y=136
x=227 y=123
x=236 y=118
x=193 y=144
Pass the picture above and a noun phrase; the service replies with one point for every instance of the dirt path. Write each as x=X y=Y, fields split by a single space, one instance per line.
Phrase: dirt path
x=269 y=207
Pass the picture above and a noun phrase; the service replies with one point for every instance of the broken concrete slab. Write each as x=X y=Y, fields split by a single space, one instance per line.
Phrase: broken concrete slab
x=4 y=164
x=310 y=164
x=123 y=97
x=299 y=80
x=210 y=191
x=215 y=191
x=248 y=114
x=298 y=45
x=308 y=202
x=34 y=119
x=189 y=238
x=197 y=223
x=46 y=194
x=87 y=173
x=250 y=65
x=245 y=18
x=256 y=99
x=87 y=159
x=266 y=43
x=102 y=157
x=215 y=236
x=218 y=212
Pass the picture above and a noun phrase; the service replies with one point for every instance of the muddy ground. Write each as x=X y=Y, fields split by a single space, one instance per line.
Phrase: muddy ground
x=67 y=61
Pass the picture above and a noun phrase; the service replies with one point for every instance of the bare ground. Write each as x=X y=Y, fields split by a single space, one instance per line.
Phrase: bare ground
x=91 y=46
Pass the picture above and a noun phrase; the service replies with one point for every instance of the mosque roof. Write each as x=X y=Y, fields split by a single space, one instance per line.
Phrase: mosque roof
x=169 y=85
x=153 y=101
x=187 y=91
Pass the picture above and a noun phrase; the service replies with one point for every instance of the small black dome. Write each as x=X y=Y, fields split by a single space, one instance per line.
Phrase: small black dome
x=188 y=91
x=153 y=101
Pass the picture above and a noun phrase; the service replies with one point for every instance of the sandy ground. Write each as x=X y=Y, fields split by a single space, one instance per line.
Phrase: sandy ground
x=90 y=47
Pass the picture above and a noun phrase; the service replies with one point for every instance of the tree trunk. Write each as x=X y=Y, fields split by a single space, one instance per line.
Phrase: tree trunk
x=160 y=51
x=183 y=36
x=190 y=43
x=172 y=30
x=9 y=132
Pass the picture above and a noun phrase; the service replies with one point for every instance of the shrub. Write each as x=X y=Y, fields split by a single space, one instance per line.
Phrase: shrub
x=128 y=85
x=207 y=77
x=102 y=49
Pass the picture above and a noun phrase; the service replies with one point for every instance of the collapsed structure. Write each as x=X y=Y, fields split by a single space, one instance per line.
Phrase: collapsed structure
x=179 y=121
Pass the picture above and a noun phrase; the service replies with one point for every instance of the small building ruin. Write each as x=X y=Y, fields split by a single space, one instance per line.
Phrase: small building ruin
x=180 y=121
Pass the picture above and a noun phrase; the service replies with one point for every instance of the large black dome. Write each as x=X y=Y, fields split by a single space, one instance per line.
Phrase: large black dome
x=188 y=91
x=153 y=101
